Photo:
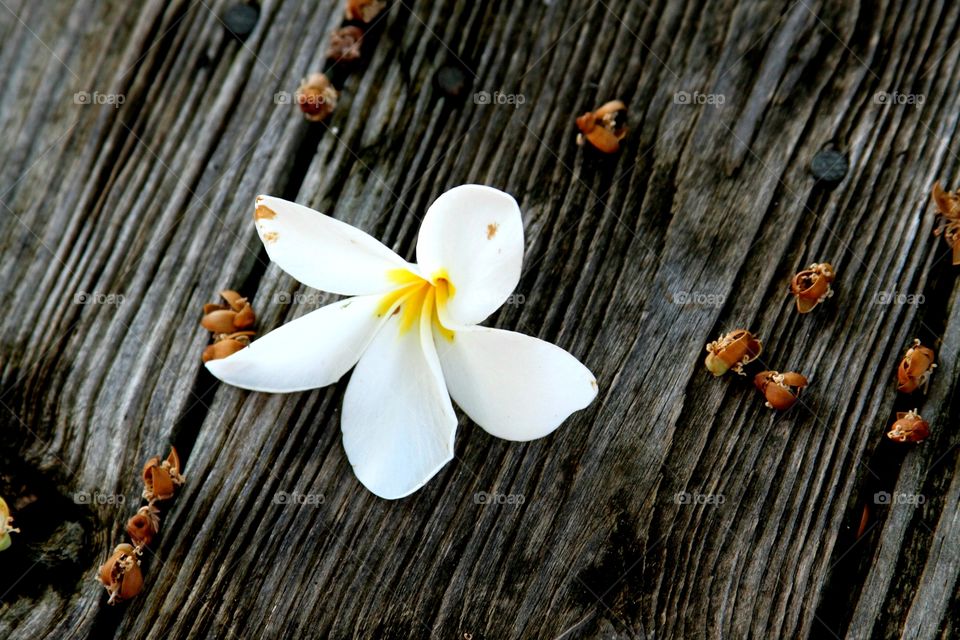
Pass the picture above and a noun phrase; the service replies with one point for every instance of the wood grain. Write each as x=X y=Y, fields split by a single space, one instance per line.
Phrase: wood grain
x=676 y=506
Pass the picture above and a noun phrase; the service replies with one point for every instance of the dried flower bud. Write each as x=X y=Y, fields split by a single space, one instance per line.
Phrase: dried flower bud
x=732 y=351
x=780 y=389
x=948 y=206
x=237 y=315
x=120 y=574
x=245 y=318
x=915 y=368
x=161 y=479
x=317 y=97
x=345 y=44
x=219 y=321
x=364 y=10
x=909 y=427
x=605 y=127
x=144 y=525
x=6 y=526
x=229 y=324
x=227 y=344
x=234 y=299
x=812 y=286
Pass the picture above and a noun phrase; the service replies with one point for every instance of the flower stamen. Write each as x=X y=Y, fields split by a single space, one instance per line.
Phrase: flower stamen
x=417 y=297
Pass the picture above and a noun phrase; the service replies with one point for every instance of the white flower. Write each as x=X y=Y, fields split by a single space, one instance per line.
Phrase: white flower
x=411 y=330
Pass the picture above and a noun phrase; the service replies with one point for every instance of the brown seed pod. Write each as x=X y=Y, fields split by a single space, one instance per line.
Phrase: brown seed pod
x=120 y=574
x=245 y=318
x=229 y=323
x=732 y=351
x=143 y=526
x=345 y=44
x=915 y=368
x=812 y=286
x=161 y=479
x=316 y=97
x=227 y=344
x=605 y=127
x=909 y=427
x=234 y=299
x=948 y=206
x=219 y=321
x=363 y=10
x=780 y=389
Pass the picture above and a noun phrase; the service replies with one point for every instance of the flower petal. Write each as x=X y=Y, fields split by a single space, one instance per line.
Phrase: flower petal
x=398 y=422
x=473 y=236
x=323 y=252
x=312 y=351
x=514 y=386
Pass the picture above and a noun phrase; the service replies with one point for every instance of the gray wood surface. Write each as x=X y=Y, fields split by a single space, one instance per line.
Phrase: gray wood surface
x=118 y=224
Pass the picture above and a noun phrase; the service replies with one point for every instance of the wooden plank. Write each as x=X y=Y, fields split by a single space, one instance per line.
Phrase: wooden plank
x=118 y=224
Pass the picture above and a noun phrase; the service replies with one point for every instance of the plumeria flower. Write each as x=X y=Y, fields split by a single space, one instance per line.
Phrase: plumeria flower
x=412 y=332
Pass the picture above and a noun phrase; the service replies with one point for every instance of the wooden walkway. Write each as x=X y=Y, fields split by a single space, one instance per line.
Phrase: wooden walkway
x=134 y=137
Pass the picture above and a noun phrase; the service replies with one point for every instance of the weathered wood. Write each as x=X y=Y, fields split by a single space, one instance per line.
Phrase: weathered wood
x=633 y=263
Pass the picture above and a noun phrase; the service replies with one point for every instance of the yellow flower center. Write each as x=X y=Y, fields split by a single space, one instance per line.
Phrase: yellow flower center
x=415 y=297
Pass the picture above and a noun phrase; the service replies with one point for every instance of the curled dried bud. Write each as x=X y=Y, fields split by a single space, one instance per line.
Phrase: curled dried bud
x=144 y=525
x=235 y=316
x=227 y=344
x=909 y=427
x=6 y=526
x=915 y=368
x=780 y=389
x=161 y=479
x=120 y=574
x=245 y=318
x=812 y=286
x=219 y=321
x=364 y=10
x=605 y=127
x=317 y=97
x=345 y=44
x=948 y=206
x=230 y=325
x=234 y=299
x=732 y=351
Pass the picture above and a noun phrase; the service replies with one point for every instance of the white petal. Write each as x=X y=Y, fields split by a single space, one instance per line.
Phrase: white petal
x=514 y=386
x=398 y=423
x=322 y=252
x=473 y=236
x=312 y=351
